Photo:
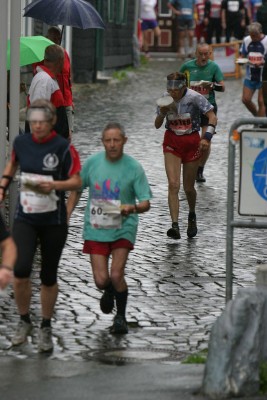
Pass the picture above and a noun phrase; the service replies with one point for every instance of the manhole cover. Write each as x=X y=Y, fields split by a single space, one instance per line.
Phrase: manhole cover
x=122 y=356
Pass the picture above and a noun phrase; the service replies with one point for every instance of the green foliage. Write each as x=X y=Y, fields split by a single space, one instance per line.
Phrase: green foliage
x=121 y=74
x=263 y=377
x=198 y=358
x=143 y=60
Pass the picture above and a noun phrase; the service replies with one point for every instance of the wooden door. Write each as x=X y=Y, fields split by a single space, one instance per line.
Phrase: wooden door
x=168 y=39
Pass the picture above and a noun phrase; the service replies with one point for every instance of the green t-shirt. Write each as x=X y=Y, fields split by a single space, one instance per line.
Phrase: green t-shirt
x=210 y=72
x=112 y=184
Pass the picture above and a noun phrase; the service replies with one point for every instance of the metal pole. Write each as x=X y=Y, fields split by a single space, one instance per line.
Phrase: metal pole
x=230 y=213
x=15 y=18
x=3 y=82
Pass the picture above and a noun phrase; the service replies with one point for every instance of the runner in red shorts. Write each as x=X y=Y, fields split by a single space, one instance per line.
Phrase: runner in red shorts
x=182 y=145
x=118 y=192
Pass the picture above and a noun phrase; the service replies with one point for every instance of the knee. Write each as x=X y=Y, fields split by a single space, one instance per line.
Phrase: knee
x=48 y=281
x=101 y=282
x=116 y=277
x=174 y=187
x=21 y=282
x=189 y=191
x=245 y=100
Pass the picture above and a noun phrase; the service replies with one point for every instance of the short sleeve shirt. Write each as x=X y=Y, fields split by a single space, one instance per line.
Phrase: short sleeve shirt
x=186 y=7
x=123 y=181
x=186 y=118
x=210 y=72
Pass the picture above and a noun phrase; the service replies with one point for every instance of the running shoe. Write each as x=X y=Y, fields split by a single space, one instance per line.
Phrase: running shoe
x=119 y=325
x=107 y=302
x=174 y=231
x=192 y=226
x=22 y=331
x=45 y=340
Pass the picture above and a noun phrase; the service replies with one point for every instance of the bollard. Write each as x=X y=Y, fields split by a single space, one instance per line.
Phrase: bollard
x=261 y=276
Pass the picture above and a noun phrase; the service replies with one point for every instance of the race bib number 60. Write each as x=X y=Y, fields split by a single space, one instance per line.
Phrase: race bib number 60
x=105 y=214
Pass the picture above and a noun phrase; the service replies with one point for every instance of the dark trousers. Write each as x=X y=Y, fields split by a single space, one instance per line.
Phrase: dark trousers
x=215 y=26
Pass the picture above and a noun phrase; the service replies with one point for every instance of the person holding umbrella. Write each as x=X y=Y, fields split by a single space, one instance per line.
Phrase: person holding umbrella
x=45 y=86
x=49 y=165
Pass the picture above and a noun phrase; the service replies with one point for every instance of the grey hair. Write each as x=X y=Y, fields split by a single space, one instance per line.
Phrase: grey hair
x=255 y=27
x=114 y=125
x=48 y=108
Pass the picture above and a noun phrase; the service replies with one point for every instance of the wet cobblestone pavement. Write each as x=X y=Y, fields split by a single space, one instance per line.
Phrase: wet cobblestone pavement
x=176 y=288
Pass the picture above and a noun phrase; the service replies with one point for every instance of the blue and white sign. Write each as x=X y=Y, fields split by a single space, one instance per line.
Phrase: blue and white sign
x=253 y=173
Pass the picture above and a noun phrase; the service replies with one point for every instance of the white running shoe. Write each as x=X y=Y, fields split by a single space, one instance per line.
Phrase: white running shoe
x=22 y=331
x=45 y=340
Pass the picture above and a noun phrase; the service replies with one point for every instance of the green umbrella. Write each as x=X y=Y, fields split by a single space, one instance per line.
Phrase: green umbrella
x=32 y=49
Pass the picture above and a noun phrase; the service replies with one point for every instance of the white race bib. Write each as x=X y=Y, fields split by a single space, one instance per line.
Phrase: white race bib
x=180 y=124
x=233 y=6
x=204 y=90
x=105 y=214
x=33 y=201
x=186 y=11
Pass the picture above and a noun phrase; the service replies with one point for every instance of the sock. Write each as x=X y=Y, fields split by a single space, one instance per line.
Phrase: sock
x=121 y=302
x=175 y=225
x=109 y=288
x=26 y=318
x=200 y=169
x=46 y=323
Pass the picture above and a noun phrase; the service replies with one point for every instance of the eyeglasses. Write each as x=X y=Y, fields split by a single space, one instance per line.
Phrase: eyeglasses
x=40 y=122
x=174 y=90
x=203 y=54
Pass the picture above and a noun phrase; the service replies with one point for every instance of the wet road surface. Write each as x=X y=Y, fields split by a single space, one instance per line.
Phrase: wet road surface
x=176 y=288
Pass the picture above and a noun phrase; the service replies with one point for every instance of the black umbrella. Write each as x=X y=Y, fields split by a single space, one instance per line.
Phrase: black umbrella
x=75 y=13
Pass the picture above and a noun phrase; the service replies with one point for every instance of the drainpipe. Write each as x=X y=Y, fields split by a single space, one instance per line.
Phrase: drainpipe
x=15 y=26
x=99 y=45
x=3 y=83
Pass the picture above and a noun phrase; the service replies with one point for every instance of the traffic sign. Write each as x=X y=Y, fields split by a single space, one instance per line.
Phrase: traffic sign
x=253 y=173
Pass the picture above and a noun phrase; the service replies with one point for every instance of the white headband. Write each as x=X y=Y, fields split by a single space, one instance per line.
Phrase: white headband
x=176 y=84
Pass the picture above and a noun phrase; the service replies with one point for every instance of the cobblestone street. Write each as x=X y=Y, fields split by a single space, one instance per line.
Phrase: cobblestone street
x=176 y=288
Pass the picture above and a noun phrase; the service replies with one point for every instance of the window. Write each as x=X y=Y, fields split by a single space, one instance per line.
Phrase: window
x=121 y=11
x=110 y=10
x=163 y=9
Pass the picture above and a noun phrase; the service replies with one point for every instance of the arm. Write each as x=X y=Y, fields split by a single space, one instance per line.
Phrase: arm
x=9 y=255
x=219 y=86
x=7 y=176
x=160 y=117
x=73 y=183
x=223 y=18
x=171 y=7
x=209 y=132
x=72 y=202
x=139 y=208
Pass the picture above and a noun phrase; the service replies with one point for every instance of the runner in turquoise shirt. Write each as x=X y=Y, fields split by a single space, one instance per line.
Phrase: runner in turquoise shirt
x=118 y=192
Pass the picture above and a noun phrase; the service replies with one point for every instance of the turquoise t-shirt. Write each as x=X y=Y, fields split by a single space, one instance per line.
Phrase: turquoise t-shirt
x=112 y=184
x=210 y=72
